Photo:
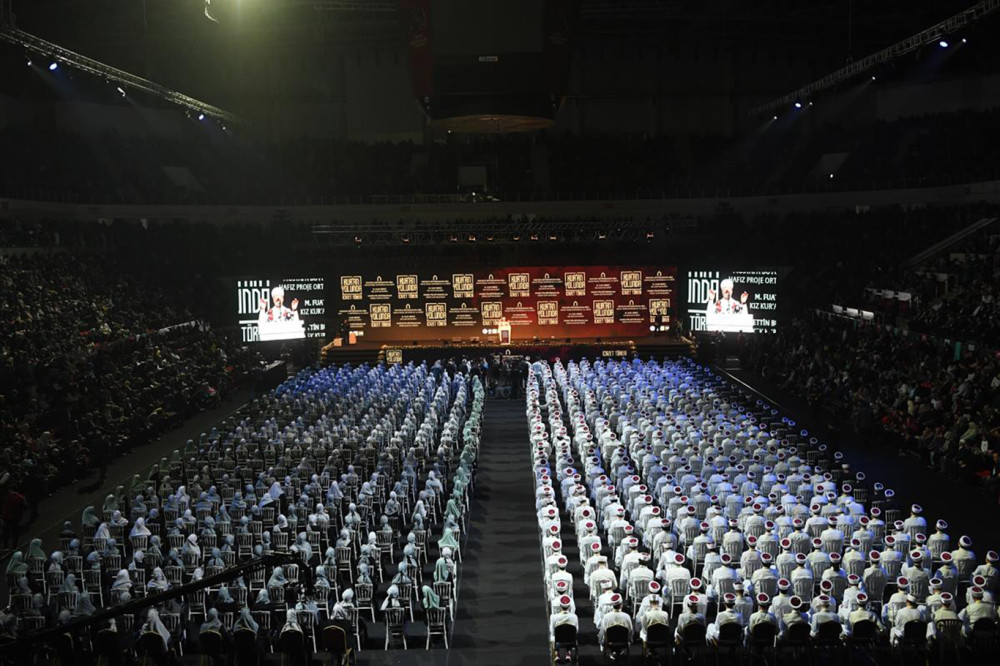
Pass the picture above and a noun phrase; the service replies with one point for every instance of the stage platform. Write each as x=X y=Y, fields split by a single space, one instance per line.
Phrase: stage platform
x=431 y=350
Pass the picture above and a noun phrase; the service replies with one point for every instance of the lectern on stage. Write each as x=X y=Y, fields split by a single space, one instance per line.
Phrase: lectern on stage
x=503 y=330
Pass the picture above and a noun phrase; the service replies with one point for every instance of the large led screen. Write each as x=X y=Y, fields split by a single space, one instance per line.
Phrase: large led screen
x=739 y=301
x=281 y=309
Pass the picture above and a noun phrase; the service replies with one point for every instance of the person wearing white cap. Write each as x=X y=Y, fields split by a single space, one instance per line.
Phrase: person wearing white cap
x=990 y=571
x=978 y=582
x=896 y=601
x=909 y=613
x=560 y=574
x=963 y=558
x=823 y=615
x=723 y=573
x=917 y=575
x=794 y=615
x=916 y=523
x=690 y=615
x=564 y=615
x=641 y=572
x=944 y=612
x=947 y=573
x=763 y=615
x=613 y=618
x=601 y=574
x=861 y=613
x=654 y=614
x=978 y=609
x=939 y=541
x=725 y=616
x=673 y=570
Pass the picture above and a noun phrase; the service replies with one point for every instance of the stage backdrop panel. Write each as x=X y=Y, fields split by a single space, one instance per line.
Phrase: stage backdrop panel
x=547 y=302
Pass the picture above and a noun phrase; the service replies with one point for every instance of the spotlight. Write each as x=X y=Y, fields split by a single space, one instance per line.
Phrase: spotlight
x=873 y=77
x=798 y=105
x=775 y=118
x=601 y=235
x=201 y=116
x=943 y=44
x=516 y=237
x=650 y=235
x=533 y=237
x=53 y=67
x=964 y=40
x=453 y=238
x=121 y=91
x=552 y=236
x=810 y=103
x=472 y=238
x=28 y=59
x=831 y=175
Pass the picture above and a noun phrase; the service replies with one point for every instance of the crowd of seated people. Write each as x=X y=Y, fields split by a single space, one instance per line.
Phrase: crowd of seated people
x=705 y=523
x=225 y=169
x=90 y=367
x=908 y=391
x=360 y=477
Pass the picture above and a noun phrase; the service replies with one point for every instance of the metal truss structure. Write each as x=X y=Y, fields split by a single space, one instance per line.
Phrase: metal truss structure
x=930 y=35
x=36 y=46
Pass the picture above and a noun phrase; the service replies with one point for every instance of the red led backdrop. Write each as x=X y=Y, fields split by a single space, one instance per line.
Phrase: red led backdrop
x=539 y=301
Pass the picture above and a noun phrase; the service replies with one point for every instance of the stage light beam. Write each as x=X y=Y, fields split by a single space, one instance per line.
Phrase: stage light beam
x=53 y=67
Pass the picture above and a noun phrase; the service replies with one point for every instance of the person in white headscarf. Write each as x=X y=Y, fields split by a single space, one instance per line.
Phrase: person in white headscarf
x=392 y=598
x=155 y=624
x=191 y=548
x=158 y=582
x=122 y=583
x=291 y=622
x=277 y=578
x=140 y=529
x=246 y=621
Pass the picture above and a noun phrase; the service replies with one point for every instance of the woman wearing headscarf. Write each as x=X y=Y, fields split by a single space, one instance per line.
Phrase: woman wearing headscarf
x=447 y=540
x=55 y=562
x=139 y=529
x=277 y=578
x=155 y=624
x=137 y=561
x=40 y=609
x=110 y=505
x=212 y=623
x=155 y=549
x=245 y=621
x=35 y=551
x=401 y=578
x=84 y=606
x=364 y=575
x=391 y=598
x=192 y=551
x=224 y=600
x=304 y=547
x=69 y=584
x=263 y=601
x=67 y=533
x=17 y=567
x=428 y=599
x=443 y=568
x=121 y=584
x=223 y=517
x=103 y=531
x=118 y=520
x=158 y=581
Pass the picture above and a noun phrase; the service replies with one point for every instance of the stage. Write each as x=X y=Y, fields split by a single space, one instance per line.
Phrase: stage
x=549 y=349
